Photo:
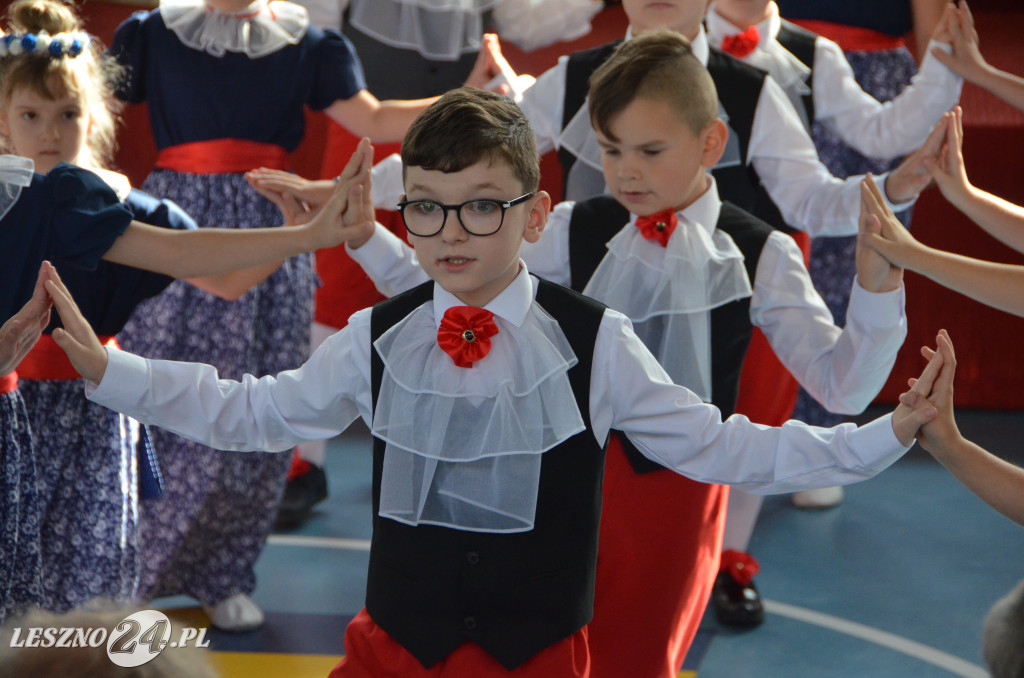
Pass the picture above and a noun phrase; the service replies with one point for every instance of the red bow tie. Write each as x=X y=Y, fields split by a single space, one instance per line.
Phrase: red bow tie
x=658 y=227
x=741 y=44
x=465 y=334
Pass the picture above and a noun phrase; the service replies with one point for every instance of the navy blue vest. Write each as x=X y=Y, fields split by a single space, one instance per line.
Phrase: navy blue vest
x=596 y=221
x=433 y=588
x=801 y=43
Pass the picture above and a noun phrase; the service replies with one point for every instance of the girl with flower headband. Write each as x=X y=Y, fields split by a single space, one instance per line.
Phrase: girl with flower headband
x=70 y=504
x=207 y=71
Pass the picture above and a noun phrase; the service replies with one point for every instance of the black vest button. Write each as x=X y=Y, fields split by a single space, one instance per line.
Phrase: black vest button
x=473 y=558
x=469 y=623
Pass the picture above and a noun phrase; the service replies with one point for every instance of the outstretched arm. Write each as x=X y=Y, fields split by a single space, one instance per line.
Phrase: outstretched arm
x=210 y=251
x=997 y=285
x=22 y=330
x=998 y=483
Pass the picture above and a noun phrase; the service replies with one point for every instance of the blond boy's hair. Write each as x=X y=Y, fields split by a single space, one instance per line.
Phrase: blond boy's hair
x=467 y=125
x=656 y=65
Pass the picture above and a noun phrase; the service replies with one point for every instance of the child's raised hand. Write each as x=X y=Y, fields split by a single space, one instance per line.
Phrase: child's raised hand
x=966 y=59
x=298 y=199
x=22 y=330
x=947 y=167
x=942 y=431
x=881 y=231
x=911 y=176
x=875 y=273
x=76 y=338
x=348 y=216
x=490 y=63
x=921 y=404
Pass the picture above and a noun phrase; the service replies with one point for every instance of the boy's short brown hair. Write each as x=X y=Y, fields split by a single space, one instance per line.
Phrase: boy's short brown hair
x=655 y=65
x=466 y=125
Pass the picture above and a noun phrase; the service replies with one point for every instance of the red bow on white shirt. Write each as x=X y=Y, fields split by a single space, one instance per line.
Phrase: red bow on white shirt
x=741 y=44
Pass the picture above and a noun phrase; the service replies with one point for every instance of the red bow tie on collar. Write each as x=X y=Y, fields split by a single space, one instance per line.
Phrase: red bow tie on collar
x=465 y=334
x=658 y=227
x=741 y=44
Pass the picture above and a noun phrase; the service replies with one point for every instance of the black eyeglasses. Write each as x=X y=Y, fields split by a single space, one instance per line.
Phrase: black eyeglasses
x=426 y=218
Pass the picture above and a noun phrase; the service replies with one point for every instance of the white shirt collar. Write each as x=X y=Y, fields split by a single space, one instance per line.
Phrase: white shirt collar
x=719 y=27
x=511 y=304
x=703 y=212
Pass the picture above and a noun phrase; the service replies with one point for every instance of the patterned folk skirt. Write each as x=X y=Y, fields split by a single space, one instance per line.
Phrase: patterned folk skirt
x=85 y=462
x=882 y=74
x=204 y=535
x=20 y=585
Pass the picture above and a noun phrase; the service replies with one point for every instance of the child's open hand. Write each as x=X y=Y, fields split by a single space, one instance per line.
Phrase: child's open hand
x=911 y=176
x=942 y=431
x=875 y=273
x=298 y=199
x=947 y=167
x=77 y=338
x=926 y=397
x=348 y=216
x=22 y=330
x=966 y=59
x=881 y=231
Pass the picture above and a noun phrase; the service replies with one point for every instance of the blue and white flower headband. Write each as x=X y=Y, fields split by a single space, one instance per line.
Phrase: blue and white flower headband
x=56 y=46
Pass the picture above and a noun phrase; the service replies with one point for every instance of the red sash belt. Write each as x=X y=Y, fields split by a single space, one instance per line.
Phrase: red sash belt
x=48 y=362
x=9 y=383
x=851 y=38
x=221 y=156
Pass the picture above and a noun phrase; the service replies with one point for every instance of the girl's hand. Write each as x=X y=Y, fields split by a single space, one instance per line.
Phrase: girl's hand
x=76 y=338
x=881 y=231
x=921 y=405
x=942 y=431
x=490 y=63
x=947 y=168
x=966 y=59
x=21 y=332
x=291 y=192
x=875 y=273
x=348 y=216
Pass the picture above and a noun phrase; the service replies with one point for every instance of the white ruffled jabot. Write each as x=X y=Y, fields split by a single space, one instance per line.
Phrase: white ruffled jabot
x=263 y=28
x=15 y=173
x=667 y=293
x=464 y=445
x=438 y=29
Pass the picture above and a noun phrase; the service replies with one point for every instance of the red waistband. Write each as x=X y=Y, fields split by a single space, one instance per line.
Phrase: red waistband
x=48 y=362
x=851 y=38
x=9 y=382
x=221 y=156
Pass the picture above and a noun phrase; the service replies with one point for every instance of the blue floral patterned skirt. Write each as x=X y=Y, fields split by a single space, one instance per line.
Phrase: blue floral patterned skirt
x=20 y=585
x=882 y=74
x=85 y=463
x=204 y=535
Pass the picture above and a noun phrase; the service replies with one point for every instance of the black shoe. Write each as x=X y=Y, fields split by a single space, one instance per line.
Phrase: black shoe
x=736 y=604
x=301 y=494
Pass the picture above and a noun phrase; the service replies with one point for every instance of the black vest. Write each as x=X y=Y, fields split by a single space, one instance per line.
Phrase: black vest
x=433 y=588
x=739 y=88
x=801 y=43
x=596 y=221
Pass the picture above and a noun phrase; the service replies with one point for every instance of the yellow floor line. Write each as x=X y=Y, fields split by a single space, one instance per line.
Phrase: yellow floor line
x=269 y=665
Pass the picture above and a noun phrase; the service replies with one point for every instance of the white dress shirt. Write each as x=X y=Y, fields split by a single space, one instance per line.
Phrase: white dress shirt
x=780 y=150
x=629 y=392
x=875 y=129
x=843 y=369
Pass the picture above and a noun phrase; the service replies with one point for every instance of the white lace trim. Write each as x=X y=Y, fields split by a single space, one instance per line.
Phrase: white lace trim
x=464 y=445
x=15 y=173
x=667 y=293
x=261 y=29
x=443 y=30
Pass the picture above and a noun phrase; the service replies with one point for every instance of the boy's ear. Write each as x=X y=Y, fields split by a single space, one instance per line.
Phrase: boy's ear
x=715 y=136
x=540 y=206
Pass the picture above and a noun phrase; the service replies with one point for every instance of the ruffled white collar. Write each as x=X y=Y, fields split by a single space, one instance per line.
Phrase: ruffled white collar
x=15 y=173
x=263 y=28
x=442 y=30
x=769 y=55
x=463 y=446
x=667 y=291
